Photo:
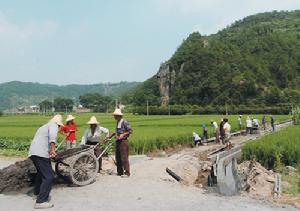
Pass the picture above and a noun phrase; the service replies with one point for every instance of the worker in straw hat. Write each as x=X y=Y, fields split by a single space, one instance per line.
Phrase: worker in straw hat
x=92 y=136
x=42 y=148
x=69 y=131
x=123 y=130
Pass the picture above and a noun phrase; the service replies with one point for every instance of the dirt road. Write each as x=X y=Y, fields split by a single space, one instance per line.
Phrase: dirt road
x=149 y=188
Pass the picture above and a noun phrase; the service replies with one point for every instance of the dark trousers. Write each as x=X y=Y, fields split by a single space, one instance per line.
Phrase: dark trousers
x=44 y=178
x=273 y=127
x=248 y=130
x=122 y=152
x=97 y=152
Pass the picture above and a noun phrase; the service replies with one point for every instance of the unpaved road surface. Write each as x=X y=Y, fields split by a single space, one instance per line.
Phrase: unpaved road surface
x=149 y=188
x=146 y=189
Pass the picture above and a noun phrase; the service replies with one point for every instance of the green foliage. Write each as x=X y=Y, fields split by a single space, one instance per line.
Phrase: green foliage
x=188 y=109
x=294 y=181
x=147 y=91
x=63 y=104
x=296 y=115
x=1 y=113
x=15 y=93
x=275 y=150
x=254 y=61
x=46 y=106
x=96 y=102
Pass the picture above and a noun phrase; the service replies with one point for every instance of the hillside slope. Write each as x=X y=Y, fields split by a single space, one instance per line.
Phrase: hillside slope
x=254 y=61
x=15 y=93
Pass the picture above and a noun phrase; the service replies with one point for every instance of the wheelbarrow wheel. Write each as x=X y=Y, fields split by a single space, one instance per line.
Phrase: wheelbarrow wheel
x=84 y=169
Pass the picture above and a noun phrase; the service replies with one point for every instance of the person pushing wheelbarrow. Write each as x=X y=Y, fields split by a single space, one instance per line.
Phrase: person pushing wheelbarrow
x=92 y=136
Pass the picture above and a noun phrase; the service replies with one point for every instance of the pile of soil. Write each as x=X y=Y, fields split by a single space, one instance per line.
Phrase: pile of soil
x=17 y=176
x=192 y=166
x=256 y=180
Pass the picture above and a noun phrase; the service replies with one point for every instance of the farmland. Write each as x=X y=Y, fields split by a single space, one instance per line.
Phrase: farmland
x=150 y=132
x=277 y=149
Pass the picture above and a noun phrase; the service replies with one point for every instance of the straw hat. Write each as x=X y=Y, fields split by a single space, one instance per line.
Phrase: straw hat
x=57 y=119
x=93 y=121
x=69 y=118
x=118 y=112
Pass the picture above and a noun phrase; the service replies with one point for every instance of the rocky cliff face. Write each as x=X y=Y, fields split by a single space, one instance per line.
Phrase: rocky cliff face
x=166 y=79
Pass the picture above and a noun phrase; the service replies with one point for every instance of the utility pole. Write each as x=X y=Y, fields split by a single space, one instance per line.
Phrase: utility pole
x=169 y=110
x=147 y=108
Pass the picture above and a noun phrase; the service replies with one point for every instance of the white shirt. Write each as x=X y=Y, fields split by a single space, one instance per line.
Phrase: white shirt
x=215 y=126
x=227 y=128
x=96 y=137
x=255 y=122
x=240 y=121
x=248 y=123
x=196 y=137
x=40 y=145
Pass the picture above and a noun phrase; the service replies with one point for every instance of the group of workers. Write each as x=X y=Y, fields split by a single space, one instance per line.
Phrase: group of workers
x=252 y=124
x=221 y=132
x=43 y=148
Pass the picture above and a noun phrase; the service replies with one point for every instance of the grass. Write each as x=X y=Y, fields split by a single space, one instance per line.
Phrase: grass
x=276 y=149
x=294 y=181
x=150 y=132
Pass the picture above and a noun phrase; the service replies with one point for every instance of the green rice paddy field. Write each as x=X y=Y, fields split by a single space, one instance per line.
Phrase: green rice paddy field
x=150 y=132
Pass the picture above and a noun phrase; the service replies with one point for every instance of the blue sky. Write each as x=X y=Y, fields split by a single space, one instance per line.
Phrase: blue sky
x=85 y=42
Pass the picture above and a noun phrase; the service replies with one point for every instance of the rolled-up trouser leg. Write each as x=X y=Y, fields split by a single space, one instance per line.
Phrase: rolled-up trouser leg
x=124 y=148
x=45 y=169
x=98 y=151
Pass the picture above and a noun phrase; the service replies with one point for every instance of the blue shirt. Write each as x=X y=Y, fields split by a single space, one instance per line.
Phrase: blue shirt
x=122 y=127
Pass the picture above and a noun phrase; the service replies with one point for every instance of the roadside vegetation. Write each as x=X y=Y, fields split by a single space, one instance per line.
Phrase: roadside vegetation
x=277 y=150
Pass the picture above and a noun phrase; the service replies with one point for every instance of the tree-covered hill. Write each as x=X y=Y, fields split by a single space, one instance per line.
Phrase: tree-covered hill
x=254 y=61
x=15 y=93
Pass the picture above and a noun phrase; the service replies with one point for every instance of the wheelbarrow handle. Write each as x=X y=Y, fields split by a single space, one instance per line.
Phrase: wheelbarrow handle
x=104 y=142
x=105 y=149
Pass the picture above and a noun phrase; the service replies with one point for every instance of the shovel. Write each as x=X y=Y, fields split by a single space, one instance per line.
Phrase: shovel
x=60 y=144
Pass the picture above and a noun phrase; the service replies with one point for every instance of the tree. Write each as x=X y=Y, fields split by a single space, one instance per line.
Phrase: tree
x=46 y=106
x=63 y=104
x=96 y=101
x=256 y=60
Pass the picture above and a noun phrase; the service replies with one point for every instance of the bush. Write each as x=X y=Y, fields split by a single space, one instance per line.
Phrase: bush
x=296 y=115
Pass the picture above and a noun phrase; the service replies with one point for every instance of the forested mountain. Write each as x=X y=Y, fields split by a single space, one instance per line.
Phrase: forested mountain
x=15 y=93
x=254 y=61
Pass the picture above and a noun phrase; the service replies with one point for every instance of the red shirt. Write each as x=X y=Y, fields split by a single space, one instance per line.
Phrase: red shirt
x=69 y=129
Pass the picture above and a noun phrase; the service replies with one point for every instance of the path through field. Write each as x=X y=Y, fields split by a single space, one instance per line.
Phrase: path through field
x=149 y=188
